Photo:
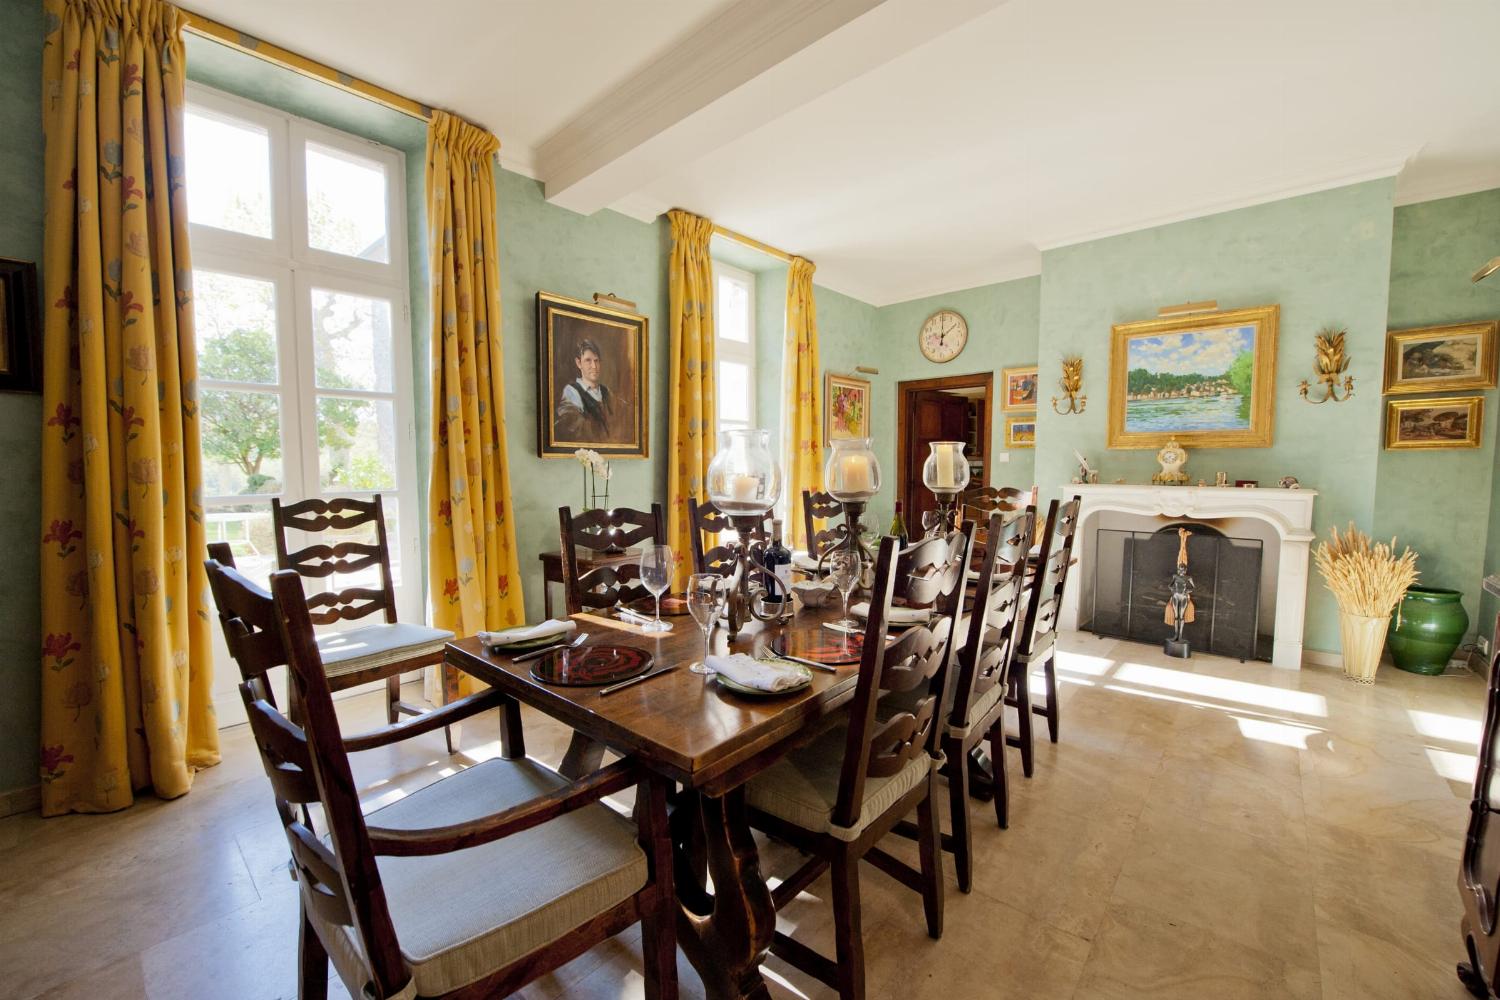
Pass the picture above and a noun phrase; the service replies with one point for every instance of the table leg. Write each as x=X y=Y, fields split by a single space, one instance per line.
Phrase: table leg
x=583 y=756
x=727 y=943
x=981 y=775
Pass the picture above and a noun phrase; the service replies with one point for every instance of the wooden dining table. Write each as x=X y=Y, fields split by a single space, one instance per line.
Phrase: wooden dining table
x=709 y=740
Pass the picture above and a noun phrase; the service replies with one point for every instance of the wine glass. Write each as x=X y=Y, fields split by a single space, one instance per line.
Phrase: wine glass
x=657 y=562
x=843 y=569
x=706 y=593
x=931 y=519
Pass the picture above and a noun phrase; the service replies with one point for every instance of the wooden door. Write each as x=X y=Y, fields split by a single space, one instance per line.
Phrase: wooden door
x=933 y=416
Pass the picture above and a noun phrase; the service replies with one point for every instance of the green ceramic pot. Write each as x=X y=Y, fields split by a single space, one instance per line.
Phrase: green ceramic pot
x=1426 y=628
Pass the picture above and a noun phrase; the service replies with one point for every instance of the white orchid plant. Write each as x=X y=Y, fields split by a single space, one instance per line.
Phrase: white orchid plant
x=595 y=470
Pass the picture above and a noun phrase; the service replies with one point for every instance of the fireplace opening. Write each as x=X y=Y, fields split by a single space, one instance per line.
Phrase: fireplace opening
x=1132 y=585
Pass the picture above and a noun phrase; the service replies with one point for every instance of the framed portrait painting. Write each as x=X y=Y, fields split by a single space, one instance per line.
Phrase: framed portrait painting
x=846 y=407
x=1441 y=358
x=20 y=328
x=1020 y=430
x=1207 y=379
x=1453 y=422
x=592 y=388
x=1019 y=387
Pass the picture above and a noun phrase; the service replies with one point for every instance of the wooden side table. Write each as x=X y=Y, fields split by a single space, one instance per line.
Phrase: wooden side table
x=552 y=569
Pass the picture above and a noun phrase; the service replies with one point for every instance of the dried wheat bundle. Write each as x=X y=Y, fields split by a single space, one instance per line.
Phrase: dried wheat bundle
x=1366 y=579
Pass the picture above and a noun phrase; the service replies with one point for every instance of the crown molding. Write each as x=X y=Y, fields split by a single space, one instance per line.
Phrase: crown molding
x=1450 y=185
x=1354 y=172
x=1010 y=268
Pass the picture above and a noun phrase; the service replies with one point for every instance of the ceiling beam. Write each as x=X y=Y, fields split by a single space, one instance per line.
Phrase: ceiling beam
x=752 y=64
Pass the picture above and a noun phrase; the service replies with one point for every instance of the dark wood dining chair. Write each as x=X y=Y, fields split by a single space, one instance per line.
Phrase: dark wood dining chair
x=469 y=887
x=1037 y=636
x=370 y=652
x=837 y=796
x=597 y=581
x=1479 y=865
x=820 y=508
x=710 y=551
x=979 y=502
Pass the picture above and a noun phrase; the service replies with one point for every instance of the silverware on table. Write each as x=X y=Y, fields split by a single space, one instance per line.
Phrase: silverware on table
x=806 y=663
x=633 y=617
x=635 y=680
x=535 y=653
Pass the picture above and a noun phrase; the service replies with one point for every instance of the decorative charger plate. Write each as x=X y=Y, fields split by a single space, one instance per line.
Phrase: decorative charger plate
x=588 y=666
x=821 y=646
x=750 y=692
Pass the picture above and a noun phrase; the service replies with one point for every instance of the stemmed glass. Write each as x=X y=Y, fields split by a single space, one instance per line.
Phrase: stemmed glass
x=931 y=519
x=657 y=562
x=706 y=593
x=843 y=569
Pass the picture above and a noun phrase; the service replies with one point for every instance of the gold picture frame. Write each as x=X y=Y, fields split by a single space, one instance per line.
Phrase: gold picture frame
x=1170 y=369
x=592 y=385
x=1441 y=358
x=846 y=407
x=1018 y=388
x=1020 y=431
x=1410 y=424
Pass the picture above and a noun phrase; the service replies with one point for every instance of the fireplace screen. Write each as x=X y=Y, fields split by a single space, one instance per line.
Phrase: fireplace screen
x=1132 y=584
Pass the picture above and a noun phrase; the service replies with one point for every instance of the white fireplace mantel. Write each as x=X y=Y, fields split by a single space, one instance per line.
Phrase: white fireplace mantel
x=1287 y=512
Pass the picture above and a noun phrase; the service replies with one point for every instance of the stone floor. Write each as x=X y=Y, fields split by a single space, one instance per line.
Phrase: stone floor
x=1205 y=829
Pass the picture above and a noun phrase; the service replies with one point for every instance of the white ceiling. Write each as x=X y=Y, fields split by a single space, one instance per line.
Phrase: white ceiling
x=913 y=147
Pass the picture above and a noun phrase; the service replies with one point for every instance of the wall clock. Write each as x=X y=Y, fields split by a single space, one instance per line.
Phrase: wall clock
x=943 y=336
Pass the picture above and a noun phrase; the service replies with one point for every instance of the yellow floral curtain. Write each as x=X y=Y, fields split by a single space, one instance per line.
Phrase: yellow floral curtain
x=802 y=435
x=690 y=290
x=473 y=573
x=127 y=670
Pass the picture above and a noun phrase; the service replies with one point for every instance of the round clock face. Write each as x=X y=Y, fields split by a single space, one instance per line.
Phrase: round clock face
x=943 y=336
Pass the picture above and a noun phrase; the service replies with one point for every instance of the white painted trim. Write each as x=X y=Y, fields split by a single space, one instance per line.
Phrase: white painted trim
x=991 y=273
x=1483 y=178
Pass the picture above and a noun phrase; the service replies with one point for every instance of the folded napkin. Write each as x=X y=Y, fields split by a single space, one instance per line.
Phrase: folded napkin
x=804 y=561
x=898 y=615
x=752 y=673
x=551 y=628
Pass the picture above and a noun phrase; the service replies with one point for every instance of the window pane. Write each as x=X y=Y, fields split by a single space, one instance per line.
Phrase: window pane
x=356 y=443
x=236 y=323
x=732 y=300
x=346 y=204
x=241 y=442
x=251 y=536
x=733 y=391
x=228 y=173
x=351 y=341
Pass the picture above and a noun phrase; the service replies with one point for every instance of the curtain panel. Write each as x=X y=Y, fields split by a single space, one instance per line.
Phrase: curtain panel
x=473 y=573
x=802 y=433
x=690 y=291
x=126 y=661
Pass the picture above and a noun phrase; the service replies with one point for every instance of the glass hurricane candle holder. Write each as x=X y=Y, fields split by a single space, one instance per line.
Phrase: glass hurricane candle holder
x=946 y=473
x=852 y=475
x=743 y=477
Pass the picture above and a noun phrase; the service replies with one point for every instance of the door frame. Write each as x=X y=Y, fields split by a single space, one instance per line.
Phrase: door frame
x=904 y=393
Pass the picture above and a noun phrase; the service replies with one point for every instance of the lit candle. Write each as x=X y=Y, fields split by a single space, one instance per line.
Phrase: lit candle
x=855 y=474
x=744 y=487
x=947 y=473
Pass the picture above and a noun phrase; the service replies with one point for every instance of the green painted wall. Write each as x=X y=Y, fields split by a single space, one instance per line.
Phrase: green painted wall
x=1004 y=326
x=1442 y=503
x=20 y=415
x=1325 y=258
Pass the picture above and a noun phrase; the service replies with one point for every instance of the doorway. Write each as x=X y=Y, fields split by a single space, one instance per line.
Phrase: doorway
x=953 y=408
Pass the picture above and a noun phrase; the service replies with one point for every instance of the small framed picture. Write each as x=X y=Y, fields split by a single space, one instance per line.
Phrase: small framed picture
x=1020 y=388
x=1454 y=422
x=846 y=407
x=1020 y=430
x=592 y=388
x=1440 y=358
x=20 y=328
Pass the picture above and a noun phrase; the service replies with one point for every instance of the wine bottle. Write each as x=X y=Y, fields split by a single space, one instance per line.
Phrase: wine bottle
x=778 y=561
x=898 y=525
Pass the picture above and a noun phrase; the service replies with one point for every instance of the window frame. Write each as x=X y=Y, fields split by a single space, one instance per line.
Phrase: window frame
x=739 y=352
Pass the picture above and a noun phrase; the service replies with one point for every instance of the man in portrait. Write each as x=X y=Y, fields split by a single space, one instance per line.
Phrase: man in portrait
x=587 y=410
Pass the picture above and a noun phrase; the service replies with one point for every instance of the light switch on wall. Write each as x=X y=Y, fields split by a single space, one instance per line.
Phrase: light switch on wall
x=1003 y=456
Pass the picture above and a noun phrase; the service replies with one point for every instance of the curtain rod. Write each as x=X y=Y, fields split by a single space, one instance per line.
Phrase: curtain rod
x=754 y=244
x=285 y=58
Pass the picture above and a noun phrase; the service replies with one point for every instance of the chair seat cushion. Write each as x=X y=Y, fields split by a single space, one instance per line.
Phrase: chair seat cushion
x=803 y=787
x=358 y=649
x=463 y=915
x=978 y=709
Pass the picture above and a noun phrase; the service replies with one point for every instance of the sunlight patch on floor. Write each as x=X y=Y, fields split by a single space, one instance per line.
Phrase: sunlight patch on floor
x=1287 y=734
x=1453 y=766
x=1451 y=728
x=1082 y=663
x=1222 y=689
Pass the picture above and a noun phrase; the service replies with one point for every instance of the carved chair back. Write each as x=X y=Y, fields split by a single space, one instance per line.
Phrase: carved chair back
x=1479 y=866
x=822 y=507
x=706 y=519
x=596 y=532
x=322 y=560
x=1044 y=602
x=246 y=620
x=913 y=669
x=983 y=660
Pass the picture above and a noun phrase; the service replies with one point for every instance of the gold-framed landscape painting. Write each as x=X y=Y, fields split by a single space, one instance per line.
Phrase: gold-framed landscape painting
x=1019 y=388
x=1020 y=430
x=1448 y=422
x=592 y=390
x=1441 y=358
x=1207 y=379
x=846 y=407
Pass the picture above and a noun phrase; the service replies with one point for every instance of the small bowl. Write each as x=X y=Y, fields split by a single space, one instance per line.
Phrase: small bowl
x=814 y=595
